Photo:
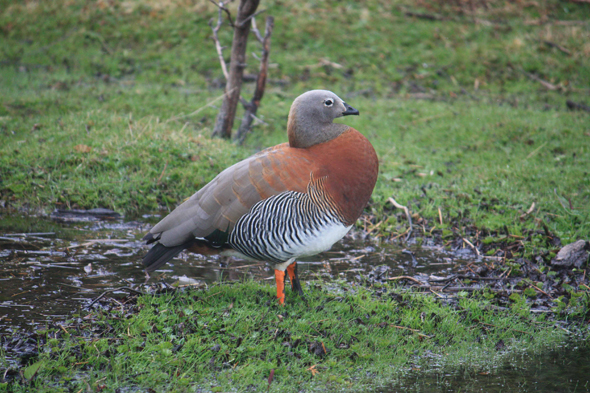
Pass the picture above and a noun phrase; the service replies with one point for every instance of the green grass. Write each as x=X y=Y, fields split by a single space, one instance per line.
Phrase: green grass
x=111 y=104
x=230 y=337
x=123 y=80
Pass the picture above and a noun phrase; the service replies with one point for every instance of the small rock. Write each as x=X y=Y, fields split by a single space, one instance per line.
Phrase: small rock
x=572 y=255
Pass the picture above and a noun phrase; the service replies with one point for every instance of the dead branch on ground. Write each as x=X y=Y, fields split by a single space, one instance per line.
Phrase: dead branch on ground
x=557 y=46
x=547 y=85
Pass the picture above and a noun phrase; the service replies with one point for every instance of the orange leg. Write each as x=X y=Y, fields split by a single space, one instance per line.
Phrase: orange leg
x=291 y=272
x=294 y=277
x=280 y=279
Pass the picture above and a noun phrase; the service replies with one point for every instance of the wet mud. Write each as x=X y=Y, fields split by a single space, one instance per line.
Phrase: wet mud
x=46 y=275
x=49 y=268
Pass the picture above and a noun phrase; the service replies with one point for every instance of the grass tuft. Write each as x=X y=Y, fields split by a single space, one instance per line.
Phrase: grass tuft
x=231 y=336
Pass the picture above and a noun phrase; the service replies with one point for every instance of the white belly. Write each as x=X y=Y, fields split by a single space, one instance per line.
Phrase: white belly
x=311 y=244
x=319 y=241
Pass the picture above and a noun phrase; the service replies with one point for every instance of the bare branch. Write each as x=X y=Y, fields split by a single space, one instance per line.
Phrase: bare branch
x=227 y=113
x=258 y=120
x=254 y=30
x=218 y=46
x=221 y=7
x=244 y=102
x=252 y=106
x=251 y=17
x=471 y=245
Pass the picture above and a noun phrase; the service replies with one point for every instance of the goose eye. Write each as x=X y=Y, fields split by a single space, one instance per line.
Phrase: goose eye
x=328 y=102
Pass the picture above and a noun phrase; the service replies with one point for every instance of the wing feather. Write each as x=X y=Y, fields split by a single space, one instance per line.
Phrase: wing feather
x=230 y=195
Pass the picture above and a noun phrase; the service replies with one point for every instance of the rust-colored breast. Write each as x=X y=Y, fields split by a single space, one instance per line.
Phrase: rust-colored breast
x=351 y=166
x=348 y=162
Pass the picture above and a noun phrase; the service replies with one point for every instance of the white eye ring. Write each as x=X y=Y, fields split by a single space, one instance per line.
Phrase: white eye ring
x=328 y=102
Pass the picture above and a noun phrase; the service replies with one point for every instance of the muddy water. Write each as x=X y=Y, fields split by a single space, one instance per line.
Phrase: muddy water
x=564 y=370
x=49 y=269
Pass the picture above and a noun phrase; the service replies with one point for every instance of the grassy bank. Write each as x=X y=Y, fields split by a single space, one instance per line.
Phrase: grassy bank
x=98 y=110
x=232 y=337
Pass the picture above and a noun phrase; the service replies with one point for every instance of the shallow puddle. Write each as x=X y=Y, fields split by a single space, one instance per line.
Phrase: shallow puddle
x=564 y=370
x=51 y=268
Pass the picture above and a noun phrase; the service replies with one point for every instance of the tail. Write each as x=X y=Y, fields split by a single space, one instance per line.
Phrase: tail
x=160 y=254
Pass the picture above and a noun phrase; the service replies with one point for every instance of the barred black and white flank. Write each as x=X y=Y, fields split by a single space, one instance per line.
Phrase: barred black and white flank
x=289 y=225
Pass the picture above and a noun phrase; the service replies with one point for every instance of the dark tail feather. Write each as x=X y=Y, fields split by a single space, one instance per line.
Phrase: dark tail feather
x=149 y=238
x=159 y=254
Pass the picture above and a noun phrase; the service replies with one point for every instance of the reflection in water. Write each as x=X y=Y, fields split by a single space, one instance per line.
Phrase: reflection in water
x=564 y=371
x=46 y=275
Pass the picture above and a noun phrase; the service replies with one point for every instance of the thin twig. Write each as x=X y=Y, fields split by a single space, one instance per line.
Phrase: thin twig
x=218 y=46
x=401 y=234
x=542 y=291
x=406 y=278
x=408 y=216
x=254 y=29
x=509 y=271
x=444 y=279
x=557 y=46
x=244 y=101
x=531 y=209
x=423 y=16
x=536 y=151
x=429 y=118
x=471 y=245
x=438 y=294
x=162 y=174
x=201 y=108
x=412 y=330
x=258 y=120
x=374 y=227
x=252 y=106
x=222 y=7
x=242 y=23
x=546 y=84
x=29 y=234
x=114 y=290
